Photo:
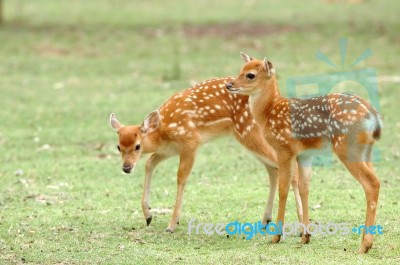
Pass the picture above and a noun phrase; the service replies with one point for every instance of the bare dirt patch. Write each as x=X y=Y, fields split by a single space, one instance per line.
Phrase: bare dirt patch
x=224 y=30
x=235 y=29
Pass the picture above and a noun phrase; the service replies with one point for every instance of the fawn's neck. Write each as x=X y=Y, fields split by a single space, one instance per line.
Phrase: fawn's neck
x=151 y=142
x=262 y=103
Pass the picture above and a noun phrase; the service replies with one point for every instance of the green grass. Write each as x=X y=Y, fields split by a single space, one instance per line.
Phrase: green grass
x=66 y=65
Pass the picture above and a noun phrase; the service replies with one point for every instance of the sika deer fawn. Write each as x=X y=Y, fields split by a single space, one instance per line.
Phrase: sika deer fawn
x=186 y=121
x=295 y=126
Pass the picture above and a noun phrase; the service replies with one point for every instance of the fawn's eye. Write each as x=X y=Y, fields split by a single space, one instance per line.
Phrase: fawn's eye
x=119 y=149
x=250 y=76
x=137 y=147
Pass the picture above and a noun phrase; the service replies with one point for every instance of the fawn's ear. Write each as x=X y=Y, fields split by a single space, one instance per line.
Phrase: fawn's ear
x=268 y=67
x=246 y=58
x=115 y=124
x=151 y=122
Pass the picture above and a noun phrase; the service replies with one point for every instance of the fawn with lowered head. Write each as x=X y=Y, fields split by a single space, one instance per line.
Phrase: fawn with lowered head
x=294 y=127
x=183 y=123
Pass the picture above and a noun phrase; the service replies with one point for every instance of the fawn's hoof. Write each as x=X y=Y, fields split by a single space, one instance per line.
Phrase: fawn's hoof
x=366 y=244
x=169 y=230
x=364 y=248
x=148 y=220
x=305 y=239
x=264 y=225
x=276 y=239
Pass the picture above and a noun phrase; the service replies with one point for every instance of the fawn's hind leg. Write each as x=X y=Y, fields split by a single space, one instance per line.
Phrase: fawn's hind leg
x=186 y=159
x=353 y=157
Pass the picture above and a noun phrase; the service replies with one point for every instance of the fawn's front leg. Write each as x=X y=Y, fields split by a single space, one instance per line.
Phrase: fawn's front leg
x=151 y=163
x=273 y=184
x=285 y=172
x=295 y=185
x=304 y=186
x=273 y=180
x=186 y=157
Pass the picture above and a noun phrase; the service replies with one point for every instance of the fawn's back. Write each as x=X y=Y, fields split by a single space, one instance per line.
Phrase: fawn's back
x=331 y=116
x=205 y=111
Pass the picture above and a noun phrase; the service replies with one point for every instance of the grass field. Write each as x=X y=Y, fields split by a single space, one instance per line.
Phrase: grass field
x=66 y=65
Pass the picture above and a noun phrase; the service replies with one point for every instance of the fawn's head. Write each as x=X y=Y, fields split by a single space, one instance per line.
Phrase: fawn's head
x=130 y=138
x=252 y=77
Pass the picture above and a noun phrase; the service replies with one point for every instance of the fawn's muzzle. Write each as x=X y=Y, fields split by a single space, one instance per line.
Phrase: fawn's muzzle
x=230 y=88
x=127 y=169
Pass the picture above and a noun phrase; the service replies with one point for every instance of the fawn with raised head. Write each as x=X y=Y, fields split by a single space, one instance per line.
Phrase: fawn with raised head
x=294 y=127
x=183 y=123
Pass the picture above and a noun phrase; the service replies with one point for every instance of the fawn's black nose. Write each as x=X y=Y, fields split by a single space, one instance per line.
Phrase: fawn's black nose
x=127 y=168
x=229 y=85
